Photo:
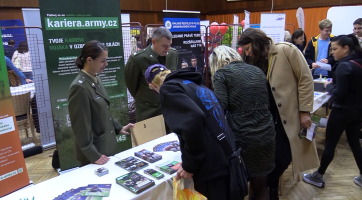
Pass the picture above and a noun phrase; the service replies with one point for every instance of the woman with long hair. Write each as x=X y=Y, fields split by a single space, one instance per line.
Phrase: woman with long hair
x=299 y=39
x=22 y=56
x=290 y=89
x=243 y=93
x=346 y=114
x=93 y=125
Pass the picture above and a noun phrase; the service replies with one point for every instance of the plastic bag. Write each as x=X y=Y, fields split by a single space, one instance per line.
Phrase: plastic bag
x=183 y=189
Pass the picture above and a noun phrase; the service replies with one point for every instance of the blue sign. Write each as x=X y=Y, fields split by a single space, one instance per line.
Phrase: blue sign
x=16 y=34
x=182 y=24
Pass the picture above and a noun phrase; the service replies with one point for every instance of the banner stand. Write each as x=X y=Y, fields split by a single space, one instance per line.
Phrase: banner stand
x=64 y=34
x=13 y=171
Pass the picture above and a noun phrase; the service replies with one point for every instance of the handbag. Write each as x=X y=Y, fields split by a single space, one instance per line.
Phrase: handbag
x=238 y=172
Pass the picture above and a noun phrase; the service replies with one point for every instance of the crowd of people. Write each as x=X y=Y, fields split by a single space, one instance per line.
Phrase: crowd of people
x=261 y=100
x=18 y=63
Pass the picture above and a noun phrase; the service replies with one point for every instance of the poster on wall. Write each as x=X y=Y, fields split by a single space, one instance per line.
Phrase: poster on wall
x=186 y=37
x=247 y=20
x=273 y=24
x=67 y=26
x=13 y=172
x=15 y=34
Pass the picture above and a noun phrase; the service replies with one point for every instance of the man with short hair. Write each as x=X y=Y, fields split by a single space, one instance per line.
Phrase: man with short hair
x=319 y=49
x=357 y=30
x=194 y=61
x=10 y=49
x=158 y=52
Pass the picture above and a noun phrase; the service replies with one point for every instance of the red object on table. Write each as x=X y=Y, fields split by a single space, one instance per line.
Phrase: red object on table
x=214 y=28
x=223 y=29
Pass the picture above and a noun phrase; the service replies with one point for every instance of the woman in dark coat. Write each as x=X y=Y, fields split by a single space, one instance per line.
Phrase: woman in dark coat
x=243 y=93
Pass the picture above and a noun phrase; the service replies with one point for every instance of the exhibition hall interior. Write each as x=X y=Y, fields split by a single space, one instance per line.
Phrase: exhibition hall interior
x=181 y=100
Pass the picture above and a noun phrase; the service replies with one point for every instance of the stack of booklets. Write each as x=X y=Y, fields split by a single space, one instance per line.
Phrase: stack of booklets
x=135 y=182
x=92 y=191
x=131 y=164
x=169 y=167
x=148 y=156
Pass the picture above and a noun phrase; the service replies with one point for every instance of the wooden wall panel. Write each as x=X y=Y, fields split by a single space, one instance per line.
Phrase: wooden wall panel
x=225 y=7
x=159 y=5
x=20 y=3
x=150 y=17
x=11 y=13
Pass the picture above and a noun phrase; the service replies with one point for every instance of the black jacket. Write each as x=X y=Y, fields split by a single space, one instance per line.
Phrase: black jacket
x=202 y=155
x=311 y=53
x=346 y=89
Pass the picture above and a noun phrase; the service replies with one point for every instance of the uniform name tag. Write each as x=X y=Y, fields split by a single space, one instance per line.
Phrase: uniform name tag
x=96 y=97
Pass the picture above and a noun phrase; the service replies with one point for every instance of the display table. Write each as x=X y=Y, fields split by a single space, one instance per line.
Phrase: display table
x=22 y=89
x=83 y=176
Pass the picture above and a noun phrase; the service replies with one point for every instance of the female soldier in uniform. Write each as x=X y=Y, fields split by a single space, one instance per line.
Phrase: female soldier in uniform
x=93 y=125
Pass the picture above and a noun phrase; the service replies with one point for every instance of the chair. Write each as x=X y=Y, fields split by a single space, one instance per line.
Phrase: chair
x=147 y=130
x=22 y=112
x=13 y=79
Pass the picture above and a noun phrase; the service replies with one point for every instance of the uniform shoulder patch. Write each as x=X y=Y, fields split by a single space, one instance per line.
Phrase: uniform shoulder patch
x=81 y=80
x=173 y=49
x=140 y=52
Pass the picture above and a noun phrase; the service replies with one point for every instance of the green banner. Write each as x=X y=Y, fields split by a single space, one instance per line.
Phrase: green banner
x=67 y=26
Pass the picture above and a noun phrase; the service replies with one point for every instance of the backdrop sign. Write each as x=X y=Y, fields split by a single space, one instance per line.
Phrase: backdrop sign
x=186 y=37
x=13 y=173
x=67 y=26
x=273 y=24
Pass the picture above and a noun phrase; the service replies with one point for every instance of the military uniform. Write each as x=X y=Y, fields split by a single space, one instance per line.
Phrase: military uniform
x=93 y=125
x=147 y=102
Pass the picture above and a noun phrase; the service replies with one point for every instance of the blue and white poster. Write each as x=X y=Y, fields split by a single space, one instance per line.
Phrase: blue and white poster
x=16 y=34
x=186 y=37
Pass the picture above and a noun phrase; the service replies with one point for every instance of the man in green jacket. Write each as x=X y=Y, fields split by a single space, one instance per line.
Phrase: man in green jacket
x=160 y=51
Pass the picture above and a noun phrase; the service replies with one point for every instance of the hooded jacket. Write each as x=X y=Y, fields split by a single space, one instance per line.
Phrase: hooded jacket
x=346 y=88
x=312 y=51
x=202 y=154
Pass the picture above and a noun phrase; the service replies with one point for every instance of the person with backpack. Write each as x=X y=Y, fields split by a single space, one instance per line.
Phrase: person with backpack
x=203 y=157
x=346 y=114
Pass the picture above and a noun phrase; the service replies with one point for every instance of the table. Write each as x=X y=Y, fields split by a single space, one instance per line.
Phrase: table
x=22 y=89
x=83 y=176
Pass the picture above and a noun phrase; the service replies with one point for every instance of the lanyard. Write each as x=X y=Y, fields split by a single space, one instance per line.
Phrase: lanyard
x=269 y=66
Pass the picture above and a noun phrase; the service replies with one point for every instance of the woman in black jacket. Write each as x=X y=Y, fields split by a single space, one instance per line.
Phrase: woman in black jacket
x=203 y=157
x=346 y=115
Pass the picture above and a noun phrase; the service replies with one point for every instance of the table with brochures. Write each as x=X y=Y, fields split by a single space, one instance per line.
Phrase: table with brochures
x=54 y=187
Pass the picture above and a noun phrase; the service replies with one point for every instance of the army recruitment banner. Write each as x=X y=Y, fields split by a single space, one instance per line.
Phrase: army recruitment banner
x=186 y=37
x=13 y=173
x=67 y=25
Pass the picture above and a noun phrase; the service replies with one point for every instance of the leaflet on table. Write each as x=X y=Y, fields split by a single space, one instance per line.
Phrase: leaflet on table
x=148 y=156
x=324 y=66
x=131 y=164
x=92 y=191
x=169 y=167
x=134 y=182
x=167 y=146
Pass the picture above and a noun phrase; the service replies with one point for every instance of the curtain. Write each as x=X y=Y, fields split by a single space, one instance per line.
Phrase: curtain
x=312 y=18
